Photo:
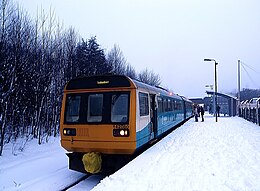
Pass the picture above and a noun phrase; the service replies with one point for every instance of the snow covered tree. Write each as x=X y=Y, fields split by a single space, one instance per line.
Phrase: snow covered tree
x=33 y=61
x=37 y=58
x=5 y=83
x=96 y=57
x=81 y=59
x=90 y=58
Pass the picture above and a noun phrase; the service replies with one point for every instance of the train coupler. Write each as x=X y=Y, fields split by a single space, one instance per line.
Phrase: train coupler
x=92 y=162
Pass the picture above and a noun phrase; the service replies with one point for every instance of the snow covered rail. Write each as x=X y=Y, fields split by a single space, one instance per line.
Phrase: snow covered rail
x=75 y=183
x=87 y=182
x=250 y=110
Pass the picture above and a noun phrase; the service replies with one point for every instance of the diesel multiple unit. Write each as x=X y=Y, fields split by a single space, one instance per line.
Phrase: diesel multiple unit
x=113 y=115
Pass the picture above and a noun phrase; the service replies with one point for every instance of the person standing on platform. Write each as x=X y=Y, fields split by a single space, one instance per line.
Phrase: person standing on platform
x=218 y=110
x=202 y=113
x=198 y=108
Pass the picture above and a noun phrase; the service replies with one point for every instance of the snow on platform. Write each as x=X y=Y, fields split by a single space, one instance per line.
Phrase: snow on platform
x=196 y=156
x=223 y=155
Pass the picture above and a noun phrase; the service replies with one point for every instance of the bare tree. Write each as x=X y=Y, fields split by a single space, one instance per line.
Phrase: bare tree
x=3 y=103
x=149 y=77
x=154 y=79
x=116 y=60
x=6 y=68
x=37 y=58
x=130 y=71
x=143 y=76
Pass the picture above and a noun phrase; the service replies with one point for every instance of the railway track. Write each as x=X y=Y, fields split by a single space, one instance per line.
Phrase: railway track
x=88 y=181
x=76 y=182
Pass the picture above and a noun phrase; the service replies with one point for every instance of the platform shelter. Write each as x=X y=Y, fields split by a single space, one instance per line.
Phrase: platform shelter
x=228 y=104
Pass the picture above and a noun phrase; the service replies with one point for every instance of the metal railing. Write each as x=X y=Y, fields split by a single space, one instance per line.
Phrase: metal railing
x=250 y=111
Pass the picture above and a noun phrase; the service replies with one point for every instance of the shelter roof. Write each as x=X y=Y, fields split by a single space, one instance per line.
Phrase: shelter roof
x=222 y=95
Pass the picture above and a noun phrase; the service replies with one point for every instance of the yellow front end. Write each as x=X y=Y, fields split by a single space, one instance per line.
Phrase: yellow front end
x=97 y=138
x=103 y=138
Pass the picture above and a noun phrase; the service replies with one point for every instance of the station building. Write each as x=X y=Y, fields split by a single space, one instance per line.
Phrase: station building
x=228 y=104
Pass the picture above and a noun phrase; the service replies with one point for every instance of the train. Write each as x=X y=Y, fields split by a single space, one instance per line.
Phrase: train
x=107 y=118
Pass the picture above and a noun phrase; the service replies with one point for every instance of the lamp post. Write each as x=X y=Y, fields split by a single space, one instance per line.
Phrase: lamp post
x=215 y=92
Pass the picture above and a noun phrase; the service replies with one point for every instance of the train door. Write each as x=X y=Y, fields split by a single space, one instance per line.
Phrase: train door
x=184 y=109
x=153 y=114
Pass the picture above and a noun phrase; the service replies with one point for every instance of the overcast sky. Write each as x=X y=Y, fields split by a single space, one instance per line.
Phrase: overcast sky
x=172 y=37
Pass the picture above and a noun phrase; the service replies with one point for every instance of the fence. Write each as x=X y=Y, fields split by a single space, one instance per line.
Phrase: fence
x=250 y=113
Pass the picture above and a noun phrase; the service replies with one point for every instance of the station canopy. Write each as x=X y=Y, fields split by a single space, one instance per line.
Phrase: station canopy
x=228 y=104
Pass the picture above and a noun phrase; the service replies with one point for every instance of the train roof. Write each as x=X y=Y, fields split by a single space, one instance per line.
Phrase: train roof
x=112 y=81
x=154 y=89
x=103 y=81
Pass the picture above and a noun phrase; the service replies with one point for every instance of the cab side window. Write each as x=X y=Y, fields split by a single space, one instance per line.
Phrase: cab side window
x=143 y=104
x=72 y=108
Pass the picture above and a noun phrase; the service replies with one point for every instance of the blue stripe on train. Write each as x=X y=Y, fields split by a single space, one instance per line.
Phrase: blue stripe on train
x=144 y=136
x=165 y=122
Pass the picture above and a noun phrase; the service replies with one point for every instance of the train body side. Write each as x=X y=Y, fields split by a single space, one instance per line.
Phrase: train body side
x=188 y=108
x=158 y=111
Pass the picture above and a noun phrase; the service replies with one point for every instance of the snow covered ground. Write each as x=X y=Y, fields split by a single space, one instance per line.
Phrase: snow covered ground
x=196 y=156
x=38 y=167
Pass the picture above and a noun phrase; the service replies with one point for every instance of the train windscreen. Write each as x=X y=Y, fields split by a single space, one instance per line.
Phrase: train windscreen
x=107 y=107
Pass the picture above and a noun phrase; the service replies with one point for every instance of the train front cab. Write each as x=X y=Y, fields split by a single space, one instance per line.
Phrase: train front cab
x=98 y=115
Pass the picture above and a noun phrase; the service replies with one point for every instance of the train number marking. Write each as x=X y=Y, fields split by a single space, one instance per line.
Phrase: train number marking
x=121 y=126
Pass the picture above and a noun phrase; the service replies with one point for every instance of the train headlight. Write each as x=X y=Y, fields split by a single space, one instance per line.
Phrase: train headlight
x=121 y=132
x=69 y=132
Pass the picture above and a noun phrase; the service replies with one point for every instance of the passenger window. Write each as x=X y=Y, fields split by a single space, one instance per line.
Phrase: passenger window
x=119 y=108
x=95 y=107
x=143 y=104
x=160 y=105
x=169 y=105
x=175 y=105
x=165 y=105
x=73 y=108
